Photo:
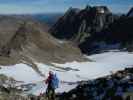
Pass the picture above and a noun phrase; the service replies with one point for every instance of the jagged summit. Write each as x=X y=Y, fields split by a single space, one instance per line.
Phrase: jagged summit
x=130 y=13
x=101 y=9
x=71 y=9
x=94 y=18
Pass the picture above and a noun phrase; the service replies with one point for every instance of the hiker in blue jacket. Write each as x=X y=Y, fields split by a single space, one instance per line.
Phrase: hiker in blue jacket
x=53 y=83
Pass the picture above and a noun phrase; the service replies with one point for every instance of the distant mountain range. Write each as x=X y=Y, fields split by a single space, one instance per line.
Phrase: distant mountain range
x=48 y=18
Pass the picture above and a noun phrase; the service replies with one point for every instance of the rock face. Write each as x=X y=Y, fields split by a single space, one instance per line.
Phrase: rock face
x=26 y=39
x=66 y=26
x=120 y=33
x=121 y=29
x=77 y=21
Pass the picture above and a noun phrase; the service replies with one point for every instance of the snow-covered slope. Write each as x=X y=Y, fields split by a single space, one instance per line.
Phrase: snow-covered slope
x=21 y=72
x=102 y=65
x=72 y=72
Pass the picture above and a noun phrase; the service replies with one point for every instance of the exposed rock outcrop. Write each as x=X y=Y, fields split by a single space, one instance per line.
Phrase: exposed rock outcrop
x=113 y=87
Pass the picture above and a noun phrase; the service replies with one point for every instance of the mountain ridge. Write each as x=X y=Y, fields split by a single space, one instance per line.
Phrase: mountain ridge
x=30 y=38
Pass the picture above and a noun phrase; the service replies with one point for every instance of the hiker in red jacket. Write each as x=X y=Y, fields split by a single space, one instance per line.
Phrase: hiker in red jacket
x=50 y=92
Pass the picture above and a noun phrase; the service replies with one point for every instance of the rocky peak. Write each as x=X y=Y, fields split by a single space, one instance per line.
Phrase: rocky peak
x=130 y=13
x=74 y=10
x=89 y=20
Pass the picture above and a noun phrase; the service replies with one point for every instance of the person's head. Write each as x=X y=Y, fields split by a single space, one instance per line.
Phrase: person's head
x=51 y=73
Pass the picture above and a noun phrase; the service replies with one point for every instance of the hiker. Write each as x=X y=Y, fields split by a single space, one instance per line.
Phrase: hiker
x=53 y=83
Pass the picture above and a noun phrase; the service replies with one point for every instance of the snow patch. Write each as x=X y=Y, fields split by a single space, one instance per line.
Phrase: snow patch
x=21 y=72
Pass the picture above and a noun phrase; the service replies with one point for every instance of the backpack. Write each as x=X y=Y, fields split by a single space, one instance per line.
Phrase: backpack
x=55 y=82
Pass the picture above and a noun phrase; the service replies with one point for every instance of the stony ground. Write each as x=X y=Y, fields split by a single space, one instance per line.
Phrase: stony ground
x=112 y=87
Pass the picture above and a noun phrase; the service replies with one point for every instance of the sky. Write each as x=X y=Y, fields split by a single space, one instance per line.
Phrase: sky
x=48 y=6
